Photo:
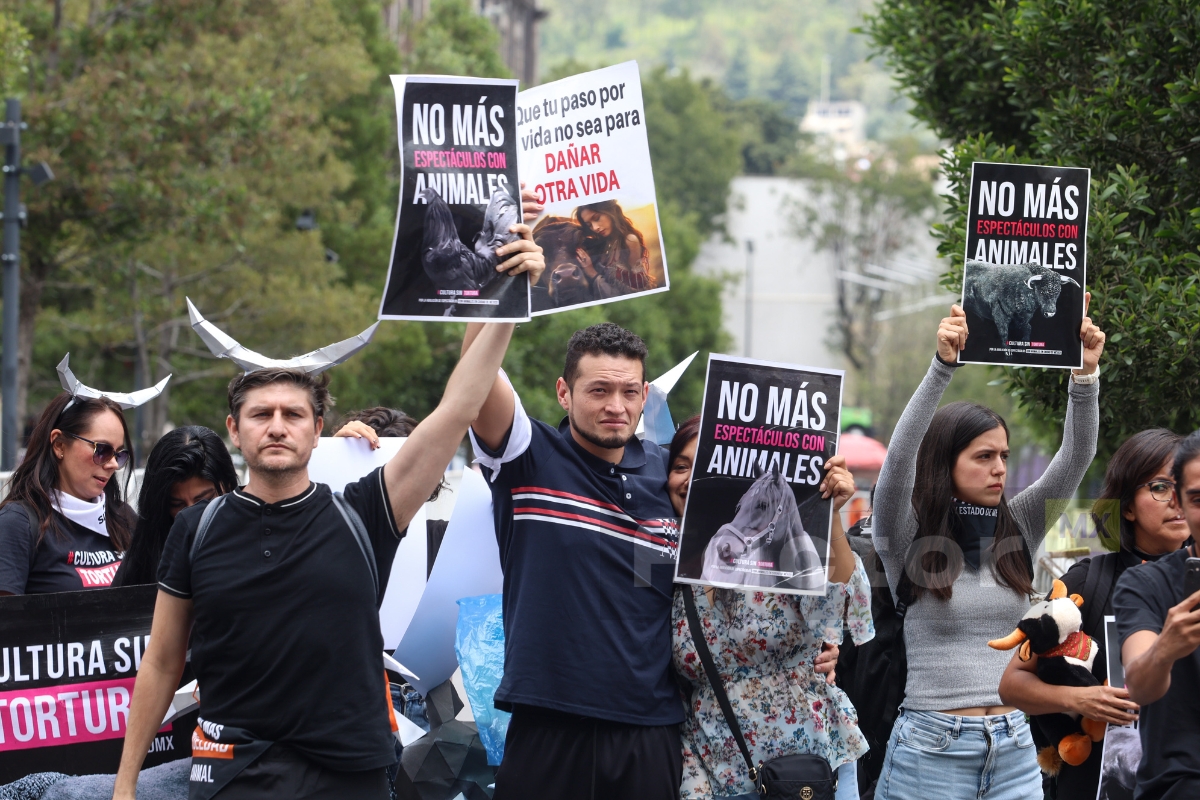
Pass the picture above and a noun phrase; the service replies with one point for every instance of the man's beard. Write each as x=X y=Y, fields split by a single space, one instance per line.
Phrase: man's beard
x=273 y=469
x=614 y=442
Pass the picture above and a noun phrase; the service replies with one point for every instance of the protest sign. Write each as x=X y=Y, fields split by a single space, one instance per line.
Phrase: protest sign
x=459 y=194
x=67 y=667
x=1122 y=743
x=1026 y=265
x=583 y=152
x=754 y=517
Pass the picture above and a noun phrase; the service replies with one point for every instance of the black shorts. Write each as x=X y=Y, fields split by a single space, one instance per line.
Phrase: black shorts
x=283 y=772
x=549 y=755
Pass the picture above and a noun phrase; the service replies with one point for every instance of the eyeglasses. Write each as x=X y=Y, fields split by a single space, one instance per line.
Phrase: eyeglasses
x=103 y=452
x=1162 y=491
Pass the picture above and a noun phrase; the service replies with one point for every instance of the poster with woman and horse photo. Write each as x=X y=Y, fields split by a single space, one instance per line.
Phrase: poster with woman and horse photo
x=582 y=150
x=754 y=517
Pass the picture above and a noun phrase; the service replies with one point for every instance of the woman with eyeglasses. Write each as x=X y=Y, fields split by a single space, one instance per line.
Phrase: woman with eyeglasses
x=1138 y=500
x=63 y=525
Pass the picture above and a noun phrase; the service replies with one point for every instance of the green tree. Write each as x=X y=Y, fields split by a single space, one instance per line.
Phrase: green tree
x=737 y=77
x=1106 y=85
x=14 y=56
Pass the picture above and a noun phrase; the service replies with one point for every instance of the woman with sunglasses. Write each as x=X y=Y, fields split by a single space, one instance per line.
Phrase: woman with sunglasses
x=1138 y=496
x=63 y=525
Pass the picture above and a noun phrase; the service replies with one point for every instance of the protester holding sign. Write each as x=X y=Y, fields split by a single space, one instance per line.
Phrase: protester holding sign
x=63 y=525
x=188 y=465
x=958 y=560
x=587 y=540
x=768 y=648
x=278 y=584
x=1140 y=491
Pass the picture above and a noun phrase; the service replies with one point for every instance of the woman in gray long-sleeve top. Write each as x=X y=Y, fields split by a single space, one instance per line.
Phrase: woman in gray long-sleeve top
x=940 y=509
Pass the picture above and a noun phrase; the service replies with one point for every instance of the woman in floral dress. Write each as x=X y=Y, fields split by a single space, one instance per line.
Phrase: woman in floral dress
x=768 y=649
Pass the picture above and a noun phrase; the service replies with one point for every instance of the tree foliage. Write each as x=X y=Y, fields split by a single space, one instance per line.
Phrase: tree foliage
x=1094 y=83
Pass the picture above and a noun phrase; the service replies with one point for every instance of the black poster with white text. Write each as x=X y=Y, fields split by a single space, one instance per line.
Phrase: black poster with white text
x=68 y=663
x=459 y=196
x=1025 y=271
x=754 y=516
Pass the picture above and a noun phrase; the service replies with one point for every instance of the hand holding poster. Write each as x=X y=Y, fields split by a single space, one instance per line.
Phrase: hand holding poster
x=754 y=516
x=1025 y=273
x=1122 y=743
x=459 y=194
x=584 y=153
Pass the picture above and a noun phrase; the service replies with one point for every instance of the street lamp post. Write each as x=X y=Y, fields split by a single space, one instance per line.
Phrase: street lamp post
x=13 y=217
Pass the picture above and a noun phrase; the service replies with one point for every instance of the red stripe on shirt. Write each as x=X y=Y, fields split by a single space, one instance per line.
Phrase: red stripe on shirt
x=580 y=498
x=580 y=517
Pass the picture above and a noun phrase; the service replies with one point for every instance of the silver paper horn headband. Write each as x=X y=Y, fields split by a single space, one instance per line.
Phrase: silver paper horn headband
x=223 y=345
x=73 y=387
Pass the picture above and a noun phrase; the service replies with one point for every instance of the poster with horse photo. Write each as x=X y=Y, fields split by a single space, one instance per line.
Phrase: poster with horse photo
x=1026 y=265
x=754 y=517
x=583 y=152
x=459 y=196
x=1122 y=743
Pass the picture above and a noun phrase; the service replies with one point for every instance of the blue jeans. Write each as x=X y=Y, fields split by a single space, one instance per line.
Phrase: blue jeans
x=847 y=788
x=932 y=756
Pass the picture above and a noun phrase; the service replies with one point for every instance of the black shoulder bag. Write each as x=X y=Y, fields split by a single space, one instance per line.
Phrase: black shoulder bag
x=802 y=776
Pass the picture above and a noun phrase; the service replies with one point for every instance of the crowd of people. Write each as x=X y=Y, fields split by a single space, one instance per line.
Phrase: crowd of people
x=272 y=587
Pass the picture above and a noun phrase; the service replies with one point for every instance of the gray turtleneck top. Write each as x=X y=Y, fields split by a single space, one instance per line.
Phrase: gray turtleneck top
x=950 y=665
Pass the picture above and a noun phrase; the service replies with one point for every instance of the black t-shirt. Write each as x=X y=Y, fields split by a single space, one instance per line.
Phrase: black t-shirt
x=69 y=558
x=588 y=553
x=1170 y=727
x=286 y=641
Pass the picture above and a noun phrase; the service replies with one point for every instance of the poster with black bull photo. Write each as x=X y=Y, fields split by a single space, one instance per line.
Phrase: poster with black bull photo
x=1122 y=743
x=584 y=153
x=1026 y=265
x=67 y=667
x=754 y=517
x=459 y=195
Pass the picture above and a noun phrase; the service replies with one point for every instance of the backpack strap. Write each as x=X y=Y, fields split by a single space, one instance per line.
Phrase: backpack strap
x=206 y=518
x=1097 y=588
x=361 y=537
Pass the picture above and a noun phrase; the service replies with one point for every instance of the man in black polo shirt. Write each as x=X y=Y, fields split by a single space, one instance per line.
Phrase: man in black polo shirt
x=587 y=541
x=1159 y=628
x=280 y=598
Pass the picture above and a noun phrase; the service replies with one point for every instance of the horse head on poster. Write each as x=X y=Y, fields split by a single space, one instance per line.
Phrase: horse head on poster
x=765 y=543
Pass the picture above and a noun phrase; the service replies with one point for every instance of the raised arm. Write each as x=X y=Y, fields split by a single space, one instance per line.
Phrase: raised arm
x=893 y=524
x=496 y=415
x=157 y=680
x=414 y=472
x=1062 y=477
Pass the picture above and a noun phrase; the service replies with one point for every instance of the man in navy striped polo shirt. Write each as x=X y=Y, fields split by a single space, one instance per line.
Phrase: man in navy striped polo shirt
x=587 y=541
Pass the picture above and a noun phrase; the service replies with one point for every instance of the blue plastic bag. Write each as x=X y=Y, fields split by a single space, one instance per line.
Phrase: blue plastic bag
x=479 y=645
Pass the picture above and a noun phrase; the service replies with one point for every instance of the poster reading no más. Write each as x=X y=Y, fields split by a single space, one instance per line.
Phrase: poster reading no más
x=1026 y=265
x=754 y=517
x=584 y=153
x=459 y=195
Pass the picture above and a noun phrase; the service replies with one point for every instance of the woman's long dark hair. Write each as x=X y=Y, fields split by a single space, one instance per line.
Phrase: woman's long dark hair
x=1136 y=461
x=36 y=477
x=935 y=556
x=192 y=451
x=622 y=227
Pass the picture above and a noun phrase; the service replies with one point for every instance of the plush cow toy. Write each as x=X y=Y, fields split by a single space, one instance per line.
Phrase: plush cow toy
x=1051 y=630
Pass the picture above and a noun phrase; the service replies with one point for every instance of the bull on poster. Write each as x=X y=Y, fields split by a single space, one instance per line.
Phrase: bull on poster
x=754 y=517
x=459 y=195
x=1026 y=265
x=1122 y=743
x=67 y=667
x=584 y=153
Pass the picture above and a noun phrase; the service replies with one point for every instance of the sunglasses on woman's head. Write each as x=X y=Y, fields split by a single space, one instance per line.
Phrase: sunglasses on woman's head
x=103 y=452
x=1160 y=490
